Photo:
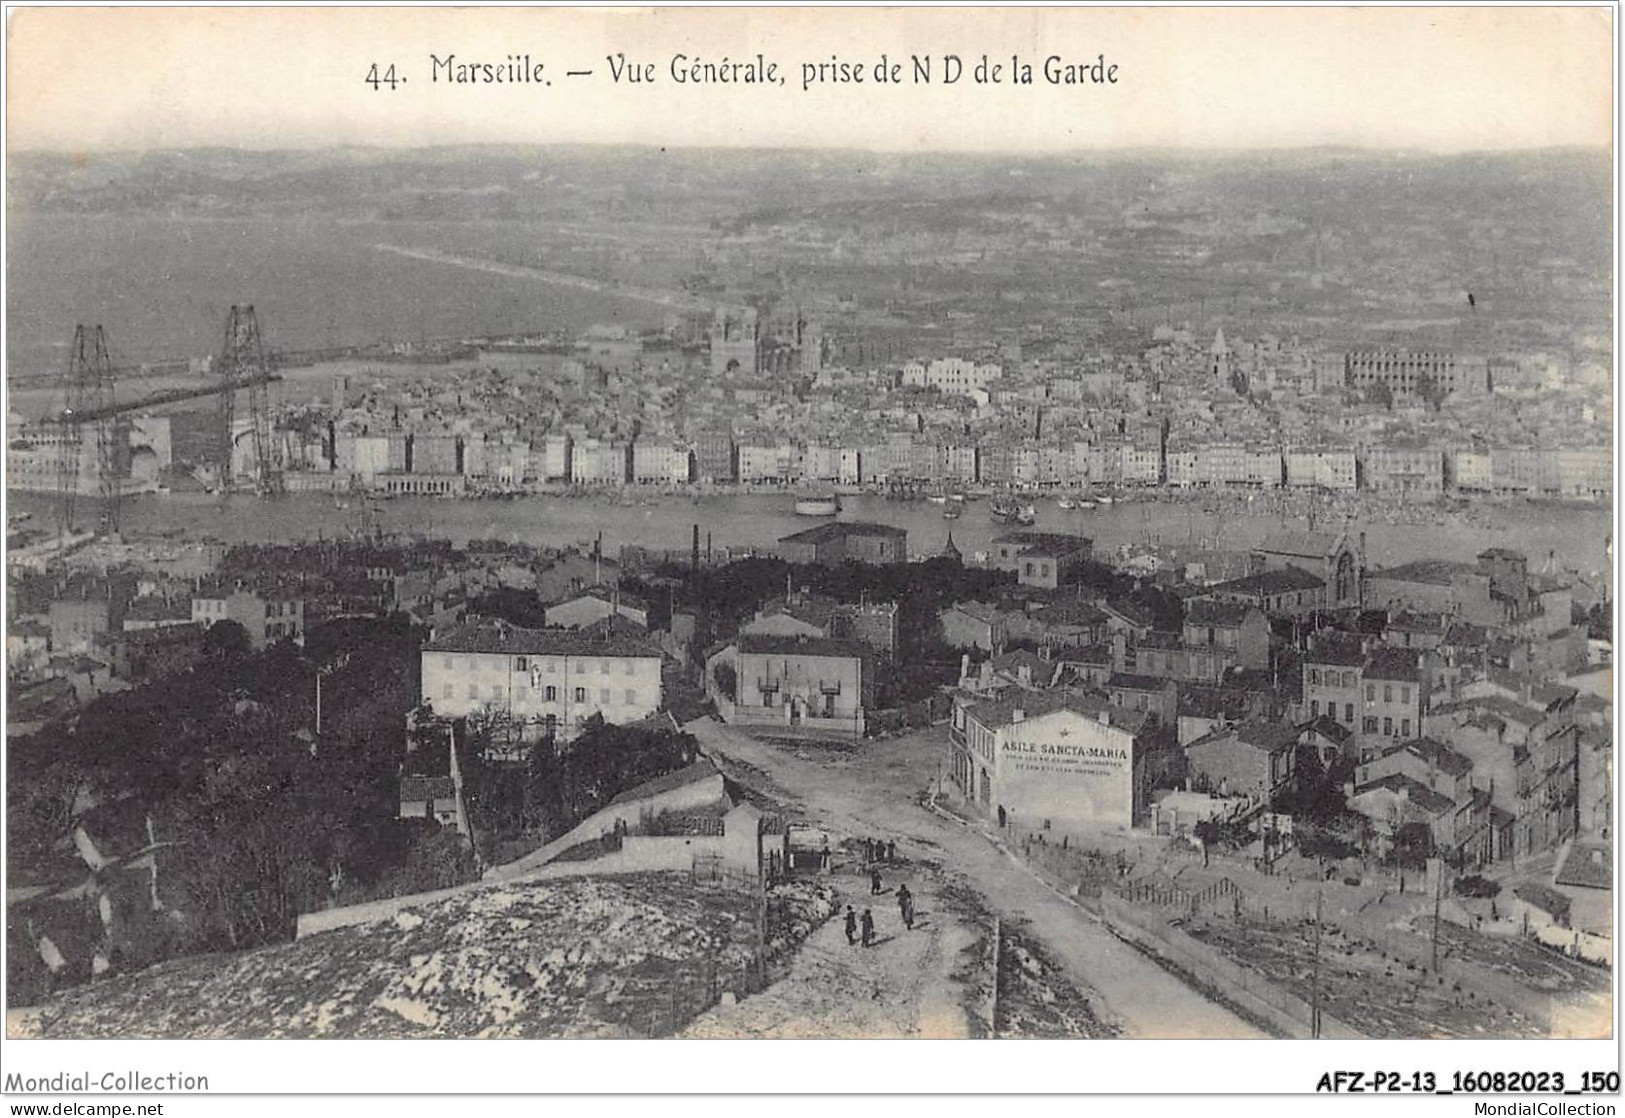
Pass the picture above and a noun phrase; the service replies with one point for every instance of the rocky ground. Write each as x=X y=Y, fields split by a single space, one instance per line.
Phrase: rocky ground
x=628 y=956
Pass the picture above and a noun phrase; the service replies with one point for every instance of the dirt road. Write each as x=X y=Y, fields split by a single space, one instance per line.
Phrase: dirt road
x=873 y=789
x=904 y=985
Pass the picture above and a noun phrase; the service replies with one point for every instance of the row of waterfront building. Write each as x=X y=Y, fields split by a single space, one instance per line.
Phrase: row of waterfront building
x=371 y=461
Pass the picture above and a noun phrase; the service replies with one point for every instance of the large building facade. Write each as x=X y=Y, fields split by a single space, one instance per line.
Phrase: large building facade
x=795 y=682
x=1406 y=374
x=1039 y=762
x=548 y=682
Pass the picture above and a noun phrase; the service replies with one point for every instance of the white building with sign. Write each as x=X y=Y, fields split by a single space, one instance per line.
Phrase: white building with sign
x=1039 y=760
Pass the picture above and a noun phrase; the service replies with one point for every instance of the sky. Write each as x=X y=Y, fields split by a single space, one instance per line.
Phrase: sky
x=1434 y=79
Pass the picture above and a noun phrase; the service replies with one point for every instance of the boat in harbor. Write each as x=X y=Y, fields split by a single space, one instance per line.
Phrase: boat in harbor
x=937 y=498
x=1026 y=514
x=949 y=512
x=1104 y=499
x=828 y=505
x=957 y=498
x=1066 y=503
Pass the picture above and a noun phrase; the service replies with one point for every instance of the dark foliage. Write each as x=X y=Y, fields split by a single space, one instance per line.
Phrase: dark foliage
x=260 y=819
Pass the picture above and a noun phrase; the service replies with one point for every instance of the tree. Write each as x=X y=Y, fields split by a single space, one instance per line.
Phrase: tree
x=727 y=681
x=1431 y=391
x=1413 y=846
x=226 y=640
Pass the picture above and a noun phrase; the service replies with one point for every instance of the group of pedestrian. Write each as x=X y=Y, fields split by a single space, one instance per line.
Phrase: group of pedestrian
x=876 y=851
x=861 y=929
x=853 y=923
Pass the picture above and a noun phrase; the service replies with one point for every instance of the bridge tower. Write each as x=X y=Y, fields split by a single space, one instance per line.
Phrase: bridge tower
x=242 y=362
x=88 y=454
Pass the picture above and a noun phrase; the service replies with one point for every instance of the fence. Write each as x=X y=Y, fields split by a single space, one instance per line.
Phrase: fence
x=1282 y=1010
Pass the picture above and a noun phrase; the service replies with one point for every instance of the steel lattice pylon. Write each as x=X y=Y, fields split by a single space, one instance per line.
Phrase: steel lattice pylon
x=89 y=392
x=242 y=359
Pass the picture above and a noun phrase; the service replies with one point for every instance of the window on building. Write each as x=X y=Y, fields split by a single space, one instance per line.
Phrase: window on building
x=1314 y=676
x=1370 y=726
x=1027 y=569
x=551 y=694
x=1388 y=727
x=1314 y=708
x=631 y=697
x=581 y=694
x=1348 y=713
x=1405 y=694
x=1405 y=727
x=1371 y=692
x=1387 y=693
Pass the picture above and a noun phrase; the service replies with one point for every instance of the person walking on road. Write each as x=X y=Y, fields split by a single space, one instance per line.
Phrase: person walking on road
x=905 y=906
x=851 y=926
x=868 y=929
x=874 y=883
x=891 y=850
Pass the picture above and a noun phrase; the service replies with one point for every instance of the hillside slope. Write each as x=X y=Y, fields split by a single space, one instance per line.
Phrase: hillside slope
x=629 y=956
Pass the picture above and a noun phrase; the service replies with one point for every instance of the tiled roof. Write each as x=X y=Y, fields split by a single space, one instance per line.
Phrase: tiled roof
x=1210 y=702
x=511 y=640
x=1415 y=791
x=841 y=529
x=1280 y=581
x=1032 y=704
x=1434 y=572
x=1328 y=728
x=981 y=611
x=418 y=789
x=1401 y=665
x=1127 y=681
x=773 y=645
x=1071 y=612
x=1440 y=756
x=1227 y=614
x=1046 y=543
x=1343 y=651
x=1589 y=864
x=1272 y=737
x=1543 y=897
